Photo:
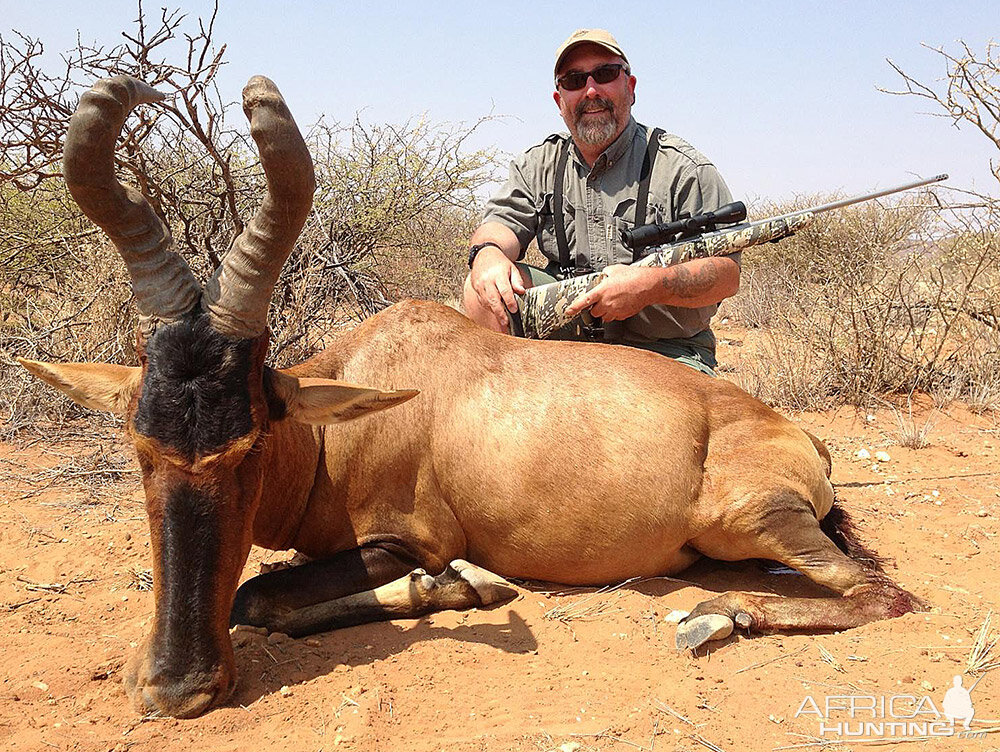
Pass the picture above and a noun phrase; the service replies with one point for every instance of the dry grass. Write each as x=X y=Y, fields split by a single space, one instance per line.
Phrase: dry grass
x=828 y=657
x=984 y=396
x=140 y=578
x=594 y=606
x=911 y=432
x=983 y=658
x=874 y=301
x=98 y=474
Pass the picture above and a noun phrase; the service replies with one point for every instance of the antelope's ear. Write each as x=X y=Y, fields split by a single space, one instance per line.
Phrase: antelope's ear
x=322 y=401
x=99 y=386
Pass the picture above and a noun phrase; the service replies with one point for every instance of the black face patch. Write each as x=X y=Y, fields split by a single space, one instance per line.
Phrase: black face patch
x=195 y=397
x=189 y=553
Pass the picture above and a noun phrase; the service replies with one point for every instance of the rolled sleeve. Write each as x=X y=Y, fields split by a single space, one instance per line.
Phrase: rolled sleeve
x=514 y=207
x=700 y=189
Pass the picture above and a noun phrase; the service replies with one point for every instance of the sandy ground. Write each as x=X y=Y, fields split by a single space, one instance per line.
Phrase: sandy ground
x=552 y=670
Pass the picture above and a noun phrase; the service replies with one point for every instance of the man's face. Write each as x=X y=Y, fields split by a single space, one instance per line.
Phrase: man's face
x=598 y=113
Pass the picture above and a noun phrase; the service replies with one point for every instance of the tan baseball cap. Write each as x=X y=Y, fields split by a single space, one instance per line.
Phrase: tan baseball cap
x=594 y=36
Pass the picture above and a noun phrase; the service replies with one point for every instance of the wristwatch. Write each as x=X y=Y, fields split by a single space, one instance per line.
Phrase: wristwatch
x=474 y=250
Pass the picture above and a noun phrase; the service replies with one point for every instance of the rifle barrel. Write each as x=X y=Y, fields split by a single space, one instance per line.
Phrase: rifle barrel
x=869 y=196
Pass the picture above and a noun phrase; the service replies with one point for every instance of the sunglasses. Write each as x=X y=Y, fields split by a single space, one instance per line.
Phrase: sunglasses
x=602 y=74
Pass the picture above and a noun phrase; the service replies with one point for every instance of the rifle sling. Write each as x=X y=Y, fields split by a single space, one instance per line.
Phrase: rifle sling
x=557 y=207
x=642 y=198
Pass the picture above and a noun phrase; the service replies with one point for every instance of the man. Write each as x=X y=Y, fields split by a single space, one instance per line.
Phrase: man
x=577 y=214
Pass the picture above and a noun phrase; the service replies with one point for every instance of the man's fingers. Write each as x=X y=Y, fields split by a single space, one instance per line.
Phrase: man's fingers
x=496 y=304
x=582 y=302
x=507 y=295
x=516 y=283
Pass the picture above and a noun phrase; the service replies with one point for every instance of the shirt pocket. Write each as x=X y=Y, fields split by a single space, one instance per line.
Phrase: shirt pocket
x=624 y=219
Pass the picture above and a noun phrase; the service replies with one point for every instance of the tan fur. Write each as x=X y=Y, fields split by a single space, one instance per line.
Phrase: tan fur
x=322 y=401
x=99 y=386
x=559 y=461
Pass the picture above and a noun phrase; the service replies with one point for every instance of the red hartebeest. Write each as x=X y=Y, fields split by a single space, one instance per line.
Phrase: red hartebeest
x=568 y=462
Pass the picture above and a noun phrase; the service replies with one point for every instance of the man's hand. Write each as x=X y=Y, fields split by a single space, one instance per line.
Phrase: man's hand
x=624 y=292
x=628 y=289
x=496 y=279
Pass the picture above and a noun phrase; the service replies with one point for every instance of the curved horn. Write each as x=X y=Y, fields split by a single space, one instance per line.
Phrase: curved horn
x=161 y=280
x=238 y=294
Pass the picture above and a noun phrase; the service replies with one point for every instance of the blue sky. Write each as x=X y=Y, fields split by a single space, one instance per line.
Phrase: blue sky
x=781 y=96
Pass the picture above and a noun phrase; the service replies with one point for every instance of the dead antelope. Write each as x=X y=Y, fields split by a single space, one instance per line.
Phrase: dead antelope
x=567 y=462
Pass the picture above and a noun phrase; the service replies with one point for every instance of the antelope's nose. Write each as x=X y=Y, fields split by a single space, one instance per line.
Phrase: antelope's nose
x=182 y=699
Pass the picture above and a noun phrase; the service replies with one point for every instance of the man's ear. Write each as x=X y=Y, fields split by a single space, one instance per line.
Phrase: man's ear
x=99 y=386
x=322 y=401
x=555 y=96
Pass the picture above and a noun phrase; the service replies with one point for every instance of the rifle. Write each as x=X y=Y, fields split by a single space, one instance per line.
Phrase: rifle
x=540 y=309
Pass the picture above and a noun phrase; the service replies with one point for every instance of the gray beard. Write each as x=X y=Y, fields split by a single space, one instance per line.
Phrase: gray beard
x=598 y=130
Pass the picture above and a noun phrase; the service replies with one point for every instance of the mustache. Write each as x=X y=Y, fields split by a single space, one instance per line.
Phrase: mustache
x=588 y=104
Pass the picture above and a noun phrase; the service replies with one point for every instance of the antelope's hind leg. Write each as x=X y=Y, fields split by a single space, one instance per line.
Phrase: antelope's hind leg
x=361 y=586
x=793 y=537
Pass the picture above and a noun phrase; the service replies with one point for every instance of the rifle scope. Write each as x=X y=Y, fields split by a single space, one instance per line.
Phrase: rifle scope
x=659 y=234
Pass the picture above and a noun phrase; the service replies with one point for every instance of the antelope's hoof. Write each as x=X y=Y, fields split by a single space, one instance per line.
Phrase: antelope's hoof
x=490 y=587
x=695 y=632
x=425 y=580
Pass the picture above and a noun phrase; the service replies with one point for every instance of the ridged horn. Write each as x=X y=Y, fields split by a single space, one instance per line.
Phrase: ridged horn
x=238 y=294
x=163 y=284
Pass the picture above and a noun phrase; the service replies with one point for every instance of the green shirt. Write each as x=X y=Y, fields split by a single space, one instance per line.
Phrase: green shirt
x=600 y=203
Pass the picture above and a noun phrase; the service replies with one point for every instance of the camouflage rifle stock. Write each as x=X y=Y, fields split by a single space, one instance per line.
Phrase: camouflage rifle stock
x=542 y=308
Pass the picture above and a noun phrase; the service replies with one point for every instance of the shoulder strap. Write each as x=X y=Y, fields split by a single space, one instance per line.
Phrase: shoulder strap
x=642 y=199
x=557 y=207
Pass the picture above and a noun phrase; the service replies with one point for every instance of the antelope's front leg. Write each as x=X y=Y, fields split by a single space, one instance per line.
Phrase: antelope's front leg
x=461 y=585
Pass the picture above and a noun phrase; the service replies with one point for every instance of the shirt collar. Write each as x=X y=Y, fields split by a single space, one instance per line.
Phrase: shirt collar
x=619 y=147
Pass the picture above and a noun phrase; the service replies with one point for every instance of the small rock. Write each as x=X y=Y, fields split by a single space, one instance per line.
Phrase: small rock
x=285 y=691
x=863 y=454
x=882 y=456
x=675 y=616
x=40 y=685
x=569 y=747
x=982 y=513
x=927 y=685
x=276 y=638
x=313 y=642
